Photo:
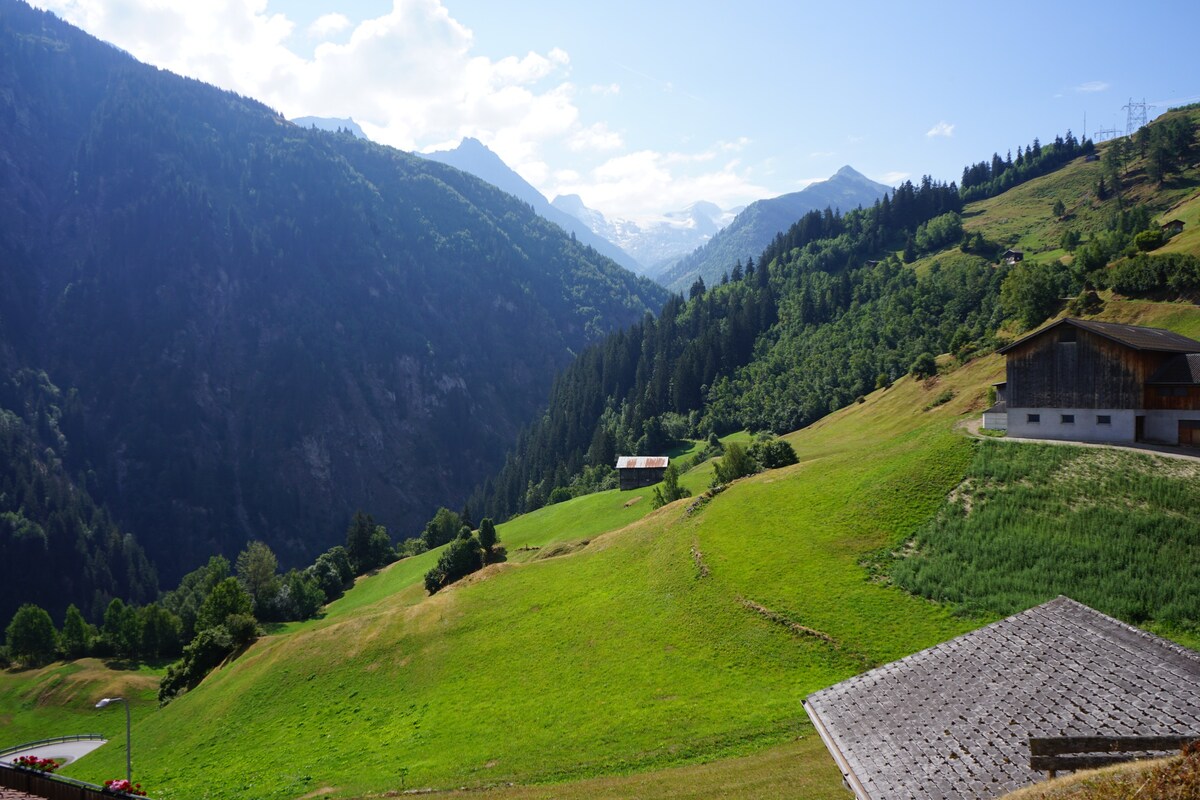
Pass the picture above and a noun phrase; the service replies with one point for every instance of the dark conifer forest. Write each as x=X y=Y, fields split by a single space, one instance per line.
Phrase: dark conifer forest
x=254 y=329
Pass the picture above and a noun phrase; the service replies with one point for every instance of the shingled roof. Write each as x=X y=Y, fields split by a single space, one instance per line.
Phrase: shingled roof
x=1183 y=369
x=1135 y=336
x=954 y=721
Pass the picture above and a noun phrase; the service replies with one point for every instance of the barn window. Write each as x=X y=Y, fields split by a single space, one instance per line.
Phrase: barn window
x=1104 y=419
x=1068 y=419
x=1033 y=418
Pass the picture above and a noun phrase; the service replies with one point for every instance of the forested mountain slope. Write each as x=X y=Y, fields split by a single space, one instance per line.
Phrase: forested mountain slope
x=265 y=327
x=474 y=157
x=842 y=304
x=759 y=223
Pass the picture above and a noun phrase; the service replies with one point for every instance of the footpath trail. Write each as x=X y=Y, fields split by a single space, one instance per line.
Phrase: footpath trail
x=971 y=426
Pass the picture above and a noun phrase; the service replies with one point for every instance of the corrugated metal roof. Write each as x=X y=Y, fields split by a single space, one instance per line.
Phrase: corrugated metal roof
x=642 y=462
x=1182 y=369
x=954 y=721
x=1135 y=336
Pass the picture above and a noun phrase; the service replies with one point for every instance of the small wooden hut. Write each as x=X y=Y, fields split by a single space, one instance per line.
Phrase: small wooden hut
x=639 y=471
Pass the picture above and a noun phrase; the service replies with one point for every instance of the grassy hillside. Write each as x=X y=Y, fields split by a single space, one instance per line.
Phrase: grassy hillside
x=1021 y=218
x=623 y=656
x=60 y=699
x=671 y=650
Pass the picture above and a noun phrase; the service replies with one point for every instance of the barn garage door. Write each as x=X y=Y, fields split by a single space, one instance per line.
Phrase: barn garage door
x=1189 y=432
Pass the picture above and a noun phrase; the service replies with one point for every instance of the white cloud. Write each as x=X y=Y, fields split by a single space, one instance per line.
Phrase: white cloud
x=606 y=90
x=892 y=178
x=641 y=184
x=595 y=137
x=1092 y=86
x=328 y=24
x=409 y=77
x=943 y=128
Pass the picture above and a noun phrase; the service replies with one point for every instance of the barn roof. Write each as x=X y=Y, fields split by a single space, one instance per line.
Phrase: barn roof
x=1181 y=369
x=955 y=720
x=642 y=462
x=1134 y=336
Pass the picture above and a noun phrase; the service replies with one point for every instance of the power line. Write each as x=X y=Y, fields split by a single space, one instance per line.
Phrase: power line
x=1135 y=115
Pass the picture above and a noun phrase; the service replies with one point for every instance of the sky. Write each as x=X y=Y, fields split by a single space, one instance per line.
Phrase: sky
x=646 y=107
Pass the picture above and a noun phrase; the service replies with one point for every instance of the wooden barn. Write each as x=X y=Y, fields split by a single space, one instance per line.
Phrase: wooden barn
x=1100 y=381
x=639 y=471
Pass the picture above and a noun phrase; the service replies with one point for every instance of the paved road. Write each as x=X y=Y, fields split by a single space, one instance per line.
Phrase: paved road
x=62 y=751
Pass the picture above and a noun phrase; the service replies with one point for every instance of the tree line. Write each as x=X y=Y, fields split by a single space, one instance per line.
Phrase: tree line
x=215 y=610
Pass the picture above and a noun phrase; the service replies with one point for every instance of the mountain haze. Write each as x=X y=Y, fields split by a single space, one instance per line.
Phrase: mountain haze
x=656 y=244
x=757 y=225
x=331 y=124
x=262 y=327
x=473 y=157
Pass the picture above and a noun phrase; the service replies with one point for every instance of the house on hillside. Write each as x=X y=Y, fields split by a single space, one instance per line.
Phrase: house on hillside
x=1104 y=382
x=1172 y=227
x=955 y=720
x=1011 y=257
x=995 y=418
x=639 y=471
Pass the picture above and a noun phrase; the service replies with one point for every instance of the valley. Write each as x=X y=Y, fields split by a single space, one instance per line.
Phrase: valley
x=243 y=360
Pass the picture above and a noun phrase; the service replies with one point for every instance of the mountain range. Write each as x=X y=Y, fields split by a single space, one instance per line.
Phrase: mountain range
x=249 y=329
x=473 y=157
x=657 y=244
x=760 y=222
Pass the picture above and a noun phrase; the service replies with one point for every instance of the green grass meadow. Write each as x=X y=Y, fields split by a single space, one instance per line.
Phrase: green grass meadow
x=1116 y=530
x=619 y=658
x=623 y=651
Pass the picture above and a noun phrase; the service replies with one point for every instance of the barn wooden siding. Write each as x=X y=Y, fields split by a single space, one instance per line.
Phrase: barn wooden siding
x=1174 y=398
x=1070 y=367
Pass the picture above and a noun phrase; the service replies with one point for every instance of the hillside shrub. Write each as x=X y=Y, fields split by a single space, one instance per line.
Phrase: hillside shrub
x=670 y=490
x=210 y=647
x=773 y=454
x=461 y=558
x=1172 y=274
x=923 y=366
x=1149 y=240
x=736 y=463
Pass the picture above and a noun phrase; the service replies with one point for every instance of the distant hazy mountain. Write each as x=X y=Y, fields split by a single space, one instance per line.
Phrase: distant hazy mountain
x=756 y=226
x=331 y=124
x=656 y=245
x=473 y=157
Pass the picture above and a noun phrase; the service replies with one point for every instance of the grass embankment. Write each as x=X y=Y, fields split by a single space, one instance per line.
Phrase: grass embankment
x=1175 y=778
x=617 y=659
x=60 y=699
x=1117 y=530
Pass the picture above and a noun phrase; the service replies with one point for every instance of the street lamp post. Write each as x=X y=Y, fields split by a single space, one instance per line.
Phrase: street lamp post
x=128 y=734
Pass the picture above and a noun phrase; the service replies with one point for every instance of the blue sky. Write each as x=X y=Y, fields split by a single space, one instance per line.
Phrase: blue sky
x=645 y=107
